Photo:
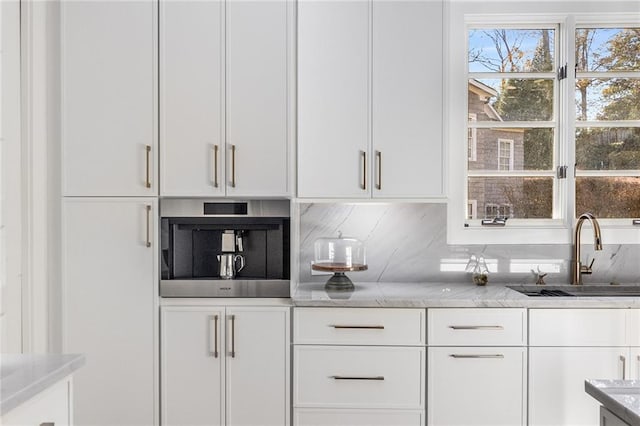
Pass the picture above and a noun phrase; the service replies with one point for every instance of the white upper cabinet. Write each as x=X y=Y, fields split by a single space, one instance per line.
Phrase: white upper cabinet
x=257 y=98
x=407 y=99
x=108 y=98
x=370 y=99
x=224 y=98
x=333 y=98
x=191 y=98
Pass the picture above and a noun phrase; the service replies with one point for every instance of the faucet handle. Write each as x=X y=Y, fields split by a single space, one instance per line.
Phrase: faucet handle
x=587 y=270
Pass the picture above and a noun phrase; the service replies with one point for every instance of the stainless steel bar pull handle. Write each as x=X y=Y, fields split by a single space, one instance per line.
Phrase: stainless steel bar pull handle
x=364 y=170
x=379 y=182
x=233 y=166
x=214 y=352
x=358 y=327
x=215 y=166
x=233 y=335
x=148 y=211
x=148 y=171
x=476 y=327
x=357 y=377
x=624 y=366
x=477 y=356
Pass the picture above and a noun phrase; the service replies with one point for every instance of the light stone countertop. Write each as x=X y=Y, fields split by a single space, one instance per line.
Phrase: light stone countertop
x=22 y=376
x=449 y=295
x=621 y=397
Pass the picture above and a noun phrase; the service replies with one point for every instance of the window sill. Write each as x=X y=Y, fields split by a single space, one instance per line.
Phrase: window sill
x=552 y=232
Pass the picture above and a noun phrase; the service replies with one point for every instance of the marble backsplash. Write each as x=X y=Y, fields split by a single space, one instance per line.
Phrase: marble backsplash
x=406 y=242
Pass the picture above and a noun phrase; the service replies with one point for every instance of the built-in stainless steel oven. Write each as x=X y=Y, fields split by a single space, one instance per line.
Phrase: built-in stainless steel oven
x=224 y=248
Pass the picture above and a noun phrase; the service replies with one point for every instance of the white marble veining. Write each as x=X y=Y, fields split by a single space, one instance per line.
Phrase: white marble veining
x=439 y=295
x=621 y=397
x=23 y=376
x=406 y=242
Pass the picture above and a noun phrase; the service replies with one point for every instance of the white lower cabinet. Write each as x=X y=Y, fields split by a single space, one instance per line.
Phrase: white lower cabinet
x=477 y=367
x=109 y=297
x=568 y=346
x=51 y=407
x=359 y=367
x=477 y=386
x=225 y=365
x=556 y=383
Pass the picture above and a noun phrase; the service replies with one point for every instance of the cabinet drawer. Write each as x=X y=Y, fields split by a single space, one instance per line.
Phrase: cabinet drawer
x=363 y=326
x=578 y=327
x=347 y=417
x=477 y=327
x=359 y=377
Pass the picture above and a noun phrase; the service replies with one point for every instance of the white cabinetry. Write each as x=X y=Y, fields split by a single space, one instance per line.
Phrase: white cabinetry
x=568 y=346
x=477 y=360
x=225 y=365
x=359 y=366
x=370 y=99
x=49 y=407
x=109 y=289
x=224 y=92
x=109 y=138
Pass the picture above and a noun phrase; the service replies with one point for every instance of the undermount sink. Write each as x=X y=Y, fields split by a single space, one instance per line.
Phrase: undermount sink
x=578 y=291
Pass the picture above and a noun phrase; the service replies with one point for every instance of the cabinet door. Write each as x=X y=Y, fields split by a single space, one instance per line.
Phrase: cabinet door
x=192 y=364
x=257 y=380
x=49 y=407
x=556 y=383
x=191 y=98
x=108 y=91
x=333 y=99
x=109 y=293
x=256 y=151
x=490 y=383
x=633 y=368
x=407 y=99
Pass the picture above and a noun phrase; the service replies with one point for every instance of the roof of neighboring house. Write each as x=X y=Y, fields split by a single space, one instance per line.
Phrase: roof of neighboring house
x=485 y=93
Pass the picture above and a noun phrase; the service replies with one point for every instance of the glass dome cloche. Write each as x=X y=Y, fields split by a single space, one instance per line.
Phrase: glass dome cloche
x=339 y=255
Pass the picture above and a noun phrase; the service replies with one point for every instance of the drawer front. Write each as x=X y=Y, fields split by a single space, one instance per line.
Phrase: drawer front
x=477 y=327
x=359 y=377
x=346 y=417
x=359 y=326
x=578 y=327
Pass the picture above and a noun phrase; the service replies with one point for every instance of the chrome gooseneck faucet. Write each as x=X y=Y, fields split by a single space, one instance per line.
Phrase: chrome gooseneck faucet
x=578 y=268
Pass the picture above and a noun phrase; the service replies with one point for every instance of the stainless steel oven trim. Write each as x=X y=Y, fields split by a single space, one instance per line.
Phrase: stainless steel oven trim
x=225 y=288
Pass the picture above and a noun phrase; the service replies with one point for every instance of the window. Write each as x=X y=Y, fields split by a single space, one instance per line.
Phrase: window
x=530 y=118
x=492 y=211
x=472 y=139
x=472 y=209
x=512 y=93
x=607 y=121
x=505 y=154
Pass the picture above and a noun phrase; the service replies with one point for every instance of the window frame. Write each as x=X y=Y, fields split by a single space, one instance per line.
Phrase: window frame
x=567 y=17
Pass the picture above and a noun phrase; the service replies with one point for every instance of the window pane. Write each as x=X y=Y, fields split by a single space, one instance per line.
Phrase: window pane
x=607 y=49
x=608 y=148
x=511 y=99
x=608 y=197
x=608 y=99
x=531 y=149
x=516 y=197
x=511 y=50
